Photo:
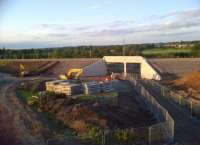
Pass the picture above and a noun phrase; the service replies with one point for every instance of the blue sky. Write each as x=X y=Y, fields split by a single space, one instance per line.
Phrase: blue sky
x=46 y=23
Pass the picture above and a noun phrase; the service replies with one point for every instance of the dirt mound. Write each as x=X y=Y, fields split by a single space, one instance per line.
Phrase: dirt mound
x=53 y=67
x=31 y=67
x=77 y=113
x=191 y=80
x=170 y=68
x=65 y=64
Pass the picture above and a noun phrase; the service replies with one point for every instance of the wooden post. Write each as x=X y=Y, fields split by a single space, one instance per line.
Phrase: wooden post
x=149 y=137
x=180 y=100
x=103 y=138
x=163 y=91
x=125 y=71
x=191 y=107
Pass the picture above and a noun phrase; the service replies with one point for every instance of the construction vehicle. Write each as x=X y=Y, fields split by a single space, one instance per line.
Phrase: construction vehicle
x=22 y=70
x=72 y=74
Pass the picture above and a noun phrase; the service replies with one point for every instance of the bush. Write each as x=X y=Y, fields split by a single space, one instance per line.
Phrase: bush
x=122 y=135
x=94 y=133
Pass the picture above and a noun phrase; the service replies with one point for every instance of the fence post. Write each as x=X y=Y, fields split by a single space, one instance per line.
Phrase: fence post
x=149 y=137
x=172 y=129
x=191 y=107
x=152 y=102
x=163 y=91
x=170 y=95
x=166 y=116
x=180 y=100
x=103 y=138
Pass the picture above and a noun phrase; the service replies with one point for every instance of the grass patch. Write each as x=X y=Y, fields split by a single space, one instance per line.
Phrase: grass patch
x=4 y=63
x=53 y=124
x=98 y=97
x=27 y=97
x=24 y=95
x=157 y=51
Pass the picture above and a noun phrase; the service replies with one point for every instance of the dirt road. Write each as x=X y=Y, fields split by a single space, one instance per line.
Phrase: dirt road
x=187 y=131
x=26 y=121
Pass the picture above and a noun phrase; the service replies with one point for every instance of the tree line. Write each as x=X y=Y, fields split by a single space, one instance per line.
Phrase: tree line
x=92 y=52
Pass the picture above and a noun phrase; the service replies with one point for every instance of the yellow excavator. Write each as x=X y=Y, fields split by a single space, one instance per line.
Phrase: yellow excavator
x=72 y=74
x=22 y=70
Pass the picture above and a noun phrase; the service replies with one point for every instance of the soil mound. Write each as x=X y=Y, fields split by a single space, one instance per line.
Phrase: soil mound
x=191 y=80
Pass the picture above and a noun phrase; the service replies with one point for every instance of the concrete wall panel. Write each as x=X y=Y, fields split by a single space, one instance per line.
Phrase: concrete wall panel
x=147 y=71
x=96 y=69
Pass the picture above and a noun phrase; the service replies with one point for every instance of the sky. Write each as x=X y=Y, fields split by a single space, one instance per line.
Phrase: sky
x=57 y=23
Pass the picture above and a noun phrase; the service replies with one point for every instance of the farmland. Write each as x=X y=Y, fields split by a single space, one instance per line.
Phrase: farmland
x=162 y=52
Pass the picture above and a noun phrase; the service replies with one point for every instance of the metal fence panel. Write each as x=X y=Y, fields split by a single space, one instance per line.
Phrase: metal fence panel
x=188 y=105
x=162 y=132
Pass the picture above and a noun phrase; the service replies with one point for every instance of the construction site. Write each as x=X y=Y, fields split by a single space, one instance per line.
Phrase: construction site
x=102 y=101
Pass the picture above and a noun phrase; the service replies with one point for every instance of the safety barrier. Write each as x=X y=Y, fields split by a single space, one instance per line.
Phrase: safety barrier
x=188 y=105
x=162 y=132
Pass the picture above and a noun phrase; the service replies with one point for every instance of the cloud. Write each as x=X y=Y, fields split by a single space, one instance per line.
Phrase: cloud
x=51 y=26
x=167 y=34
x=27 y=44
x=83 y=28
x=192 y=13
x=120 y=23
x=189 y=20
x=58 y=35
x=109 y=32
x=173 y=26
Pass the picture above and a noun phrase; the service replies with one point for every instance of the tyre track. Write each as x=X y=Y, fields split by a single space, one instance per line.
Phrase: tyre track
x=25 y=120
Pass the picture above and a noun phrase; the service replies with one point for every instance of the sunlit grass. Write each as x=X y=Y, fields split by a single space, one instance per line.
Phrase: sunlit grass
x=4 y=63
x=157 y=51
x=24 y=95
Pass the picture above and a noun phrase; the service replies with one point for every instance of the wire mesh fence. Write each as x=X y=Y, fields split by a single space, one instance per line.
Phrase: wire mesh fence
x=157 y=134
x=187 y=104
x=162 y=132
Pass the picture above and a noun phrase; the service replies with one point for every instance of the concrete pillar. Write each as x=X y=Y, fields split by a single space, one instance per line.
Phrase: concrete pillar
x=125 y=71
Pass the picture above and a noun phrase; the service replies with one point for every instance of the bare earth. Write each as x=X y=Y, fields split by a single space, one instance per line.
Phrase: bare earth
x=25 y=120
x=31 y=128
x=169 y=67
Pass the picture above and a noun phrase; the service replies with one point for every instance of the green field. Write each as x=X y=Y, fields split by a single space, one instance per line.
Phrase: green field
x=158 y=51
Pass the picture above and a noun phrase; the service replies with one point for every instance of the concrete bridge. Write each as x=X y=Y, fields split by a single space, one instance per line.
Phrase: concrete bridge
x=123 y=64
